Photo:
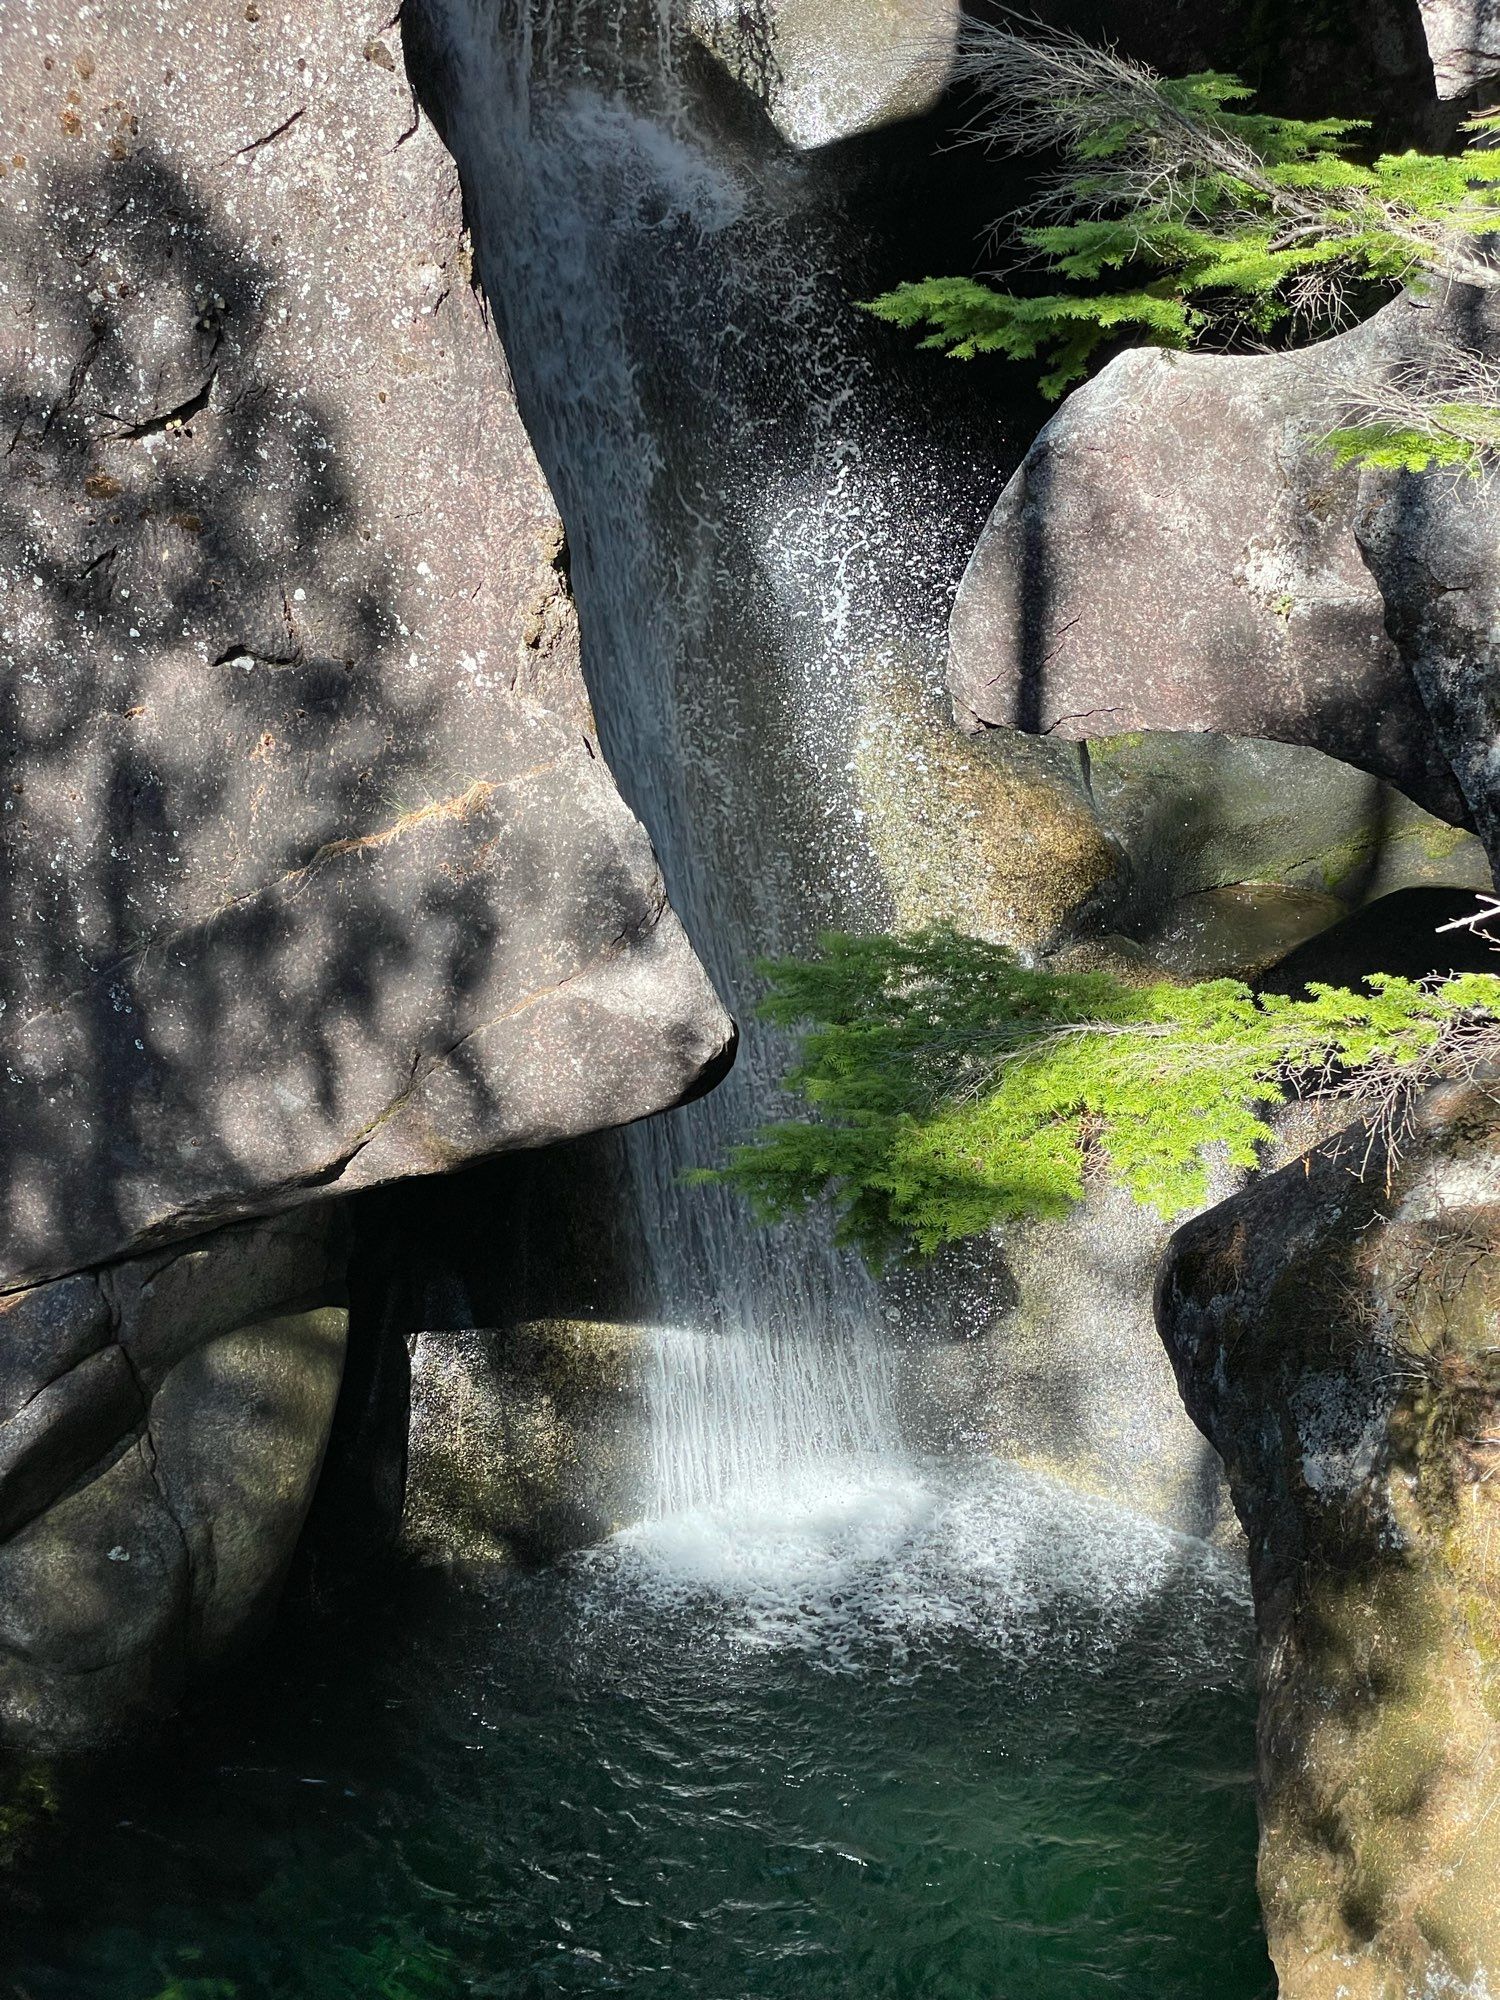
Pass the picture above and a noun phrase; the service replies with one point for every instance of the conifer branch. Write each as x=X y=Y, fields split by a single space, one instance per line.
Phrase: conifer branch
x=1215 y=221
x=949 y=1087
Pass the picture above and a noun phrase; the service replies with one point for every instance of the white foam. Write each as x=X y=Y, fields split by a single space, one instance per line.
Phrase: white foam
x=858 y=1567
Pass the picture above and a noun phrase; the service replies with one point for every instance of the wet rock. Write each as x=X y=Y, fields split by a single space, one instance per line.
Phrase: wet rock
x=1332 y=1330
x=1193 y=855
x=526 y=1441
x=313 y=874
x=162 y=1424
x=997 y=835
x=828 y=69
x=1178 y=552
x=1404 y=933
x=1463 y=37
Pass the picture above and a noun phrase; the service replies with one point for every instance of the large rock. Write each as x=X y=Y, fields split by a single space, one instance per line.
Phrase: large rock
x=1333 y=1333
x=162 y=1424
x=313 y=874
x=828 y=69
x=1197 y=854
x=1463 y=37
x=1432 y=544
x=1179 y=552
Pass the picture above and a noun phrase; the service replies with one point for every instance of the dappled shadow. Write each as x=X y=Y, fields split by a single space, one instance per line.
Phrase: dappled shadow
x=249 y=893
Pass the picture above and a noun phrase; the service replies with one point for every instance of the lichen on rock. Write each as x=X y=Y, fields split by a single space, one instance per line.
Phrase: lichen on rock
x=1332 y=1329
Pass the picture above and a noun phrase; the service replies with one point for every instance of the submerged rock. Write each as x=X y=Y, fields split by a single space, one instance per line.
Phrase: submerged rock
x=1178 y=551
x=314 y=877
x=1333 y=1332
x=162 y=1425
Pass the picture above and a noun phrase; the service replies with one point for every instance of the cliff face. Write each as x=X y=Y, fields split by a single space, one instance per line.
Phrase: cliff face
x=313 y=877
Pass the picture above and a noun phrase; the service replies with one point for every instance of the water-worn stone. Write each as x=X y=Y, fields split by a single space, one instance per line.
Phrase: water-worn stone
x=828 y=69
x=1463 y=37
x=1332 y=1330
x=164 y=1423
x=1194 y=854
x=313 y=874
x=526 y=1441
x=1178 y=551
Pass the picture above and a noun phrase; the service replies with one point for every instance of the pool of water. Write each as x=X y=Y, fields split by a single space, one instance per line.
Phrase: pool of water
x=953 y=1735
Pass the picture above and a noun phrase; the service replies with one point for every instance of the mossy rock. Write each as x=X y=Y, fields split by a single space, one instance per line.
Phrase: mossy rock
x=1333 y=1332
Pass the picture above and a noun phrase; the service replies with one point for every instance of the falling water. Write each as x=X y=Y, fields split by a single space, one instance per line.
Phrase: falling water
x=750 y=537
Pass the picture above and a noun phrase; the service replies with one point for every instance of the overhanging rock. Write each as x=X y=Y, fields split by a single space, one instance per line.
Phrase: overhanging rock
x=313 y=876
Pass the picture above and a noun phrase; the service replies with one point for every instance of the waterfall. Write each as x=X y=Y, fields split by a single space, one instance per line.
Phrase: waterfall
x=752 y=540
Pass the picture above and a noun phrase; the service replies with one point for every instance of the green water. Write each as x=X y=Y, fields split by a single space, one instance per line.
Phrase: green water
x=954 y=1737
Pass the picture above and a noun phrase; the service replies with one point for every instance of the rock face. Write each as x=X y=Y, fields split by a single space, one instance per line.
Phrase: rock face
x=828 y=69
x=526 y=1441
x=1463 y=37
x=1196 y=854
x=1332 y=1329
x=1433 y=547
x=1178 y=552
x=162 y=1423
x=313 y=876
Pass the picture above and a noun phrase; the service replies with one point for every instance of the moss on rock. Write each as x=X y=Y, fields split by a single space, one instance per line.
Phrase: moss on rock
x=1333 y=1330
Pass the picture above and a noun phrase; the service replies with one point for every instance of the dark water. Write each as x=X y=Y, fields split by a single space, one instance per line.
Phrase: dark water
x=952 y=1737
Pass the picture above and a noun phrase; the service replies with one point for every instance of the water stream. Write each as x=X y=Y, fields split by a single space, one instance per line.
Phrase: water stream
x=755 y=534
x=953 y=1734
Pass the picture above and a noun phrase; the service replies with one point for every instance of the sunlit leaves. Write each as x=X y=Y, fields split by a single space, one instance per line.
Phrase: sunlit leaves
x=950 y=1087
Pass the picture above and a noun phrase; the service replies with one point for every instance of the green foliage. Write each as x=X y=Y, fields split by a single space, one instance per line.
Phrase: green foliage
x=1446 y=435
x=1219 y=219
x=952 y=1087
x=968 y=318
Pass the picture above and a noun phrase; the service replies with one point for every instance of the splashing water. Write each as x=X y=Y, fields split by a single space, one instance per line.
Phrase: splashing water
x=739 y=1420
x=888 y=1568
x=751 y=526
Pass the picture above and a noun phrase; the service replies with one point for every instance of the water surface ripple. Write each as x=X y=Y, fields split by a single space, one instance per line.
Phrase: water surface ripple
x=953 y=1734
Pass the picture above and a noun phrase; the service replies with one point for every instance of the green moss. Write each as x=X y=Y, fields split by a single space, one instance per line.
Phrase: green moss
x=994 y=834
x=1437 y=840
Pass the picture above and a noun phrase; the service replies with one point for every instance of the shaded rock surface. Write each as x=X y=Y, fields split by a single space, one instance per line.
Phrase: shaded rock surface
x=491 y=1410
x=1332 y=1330
x=1190 y=854
x=1178 y=552
x=313 y=875
x=1405 y=933
x=526 y=1440
x=1354 y=58
x=162 y=1425
x=1433 y=547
